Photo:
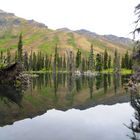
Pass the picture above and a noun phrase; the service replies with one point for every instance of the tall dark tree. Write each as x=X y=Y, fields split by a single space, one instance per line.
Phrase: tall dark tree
x=20 y=45
x=8 y=57
x=55 y=59
x=64 y=63
x=126 y=60
x=16 y=56
x=46 y=62
x=34 y=62
x=31 y=61
x=25 y=61
x=98 y=65
x=105 y=59
x=109 y=62
x=1 y=56
x=91 y=59
x=116 y=61
x=83 y=65
x=78 y=58
x=122 y=62
x=130 y=63
x=136 y=52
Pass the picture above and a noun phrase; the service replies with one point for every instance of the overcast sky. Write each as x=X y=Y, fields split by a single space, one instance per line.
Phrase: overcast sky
x=100 y=16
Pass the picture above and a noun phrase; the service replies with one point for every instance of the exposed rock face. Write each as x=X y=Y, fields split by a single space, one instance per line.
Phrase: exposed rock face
x=119 y=40
x=9 y=20
x=112 y=38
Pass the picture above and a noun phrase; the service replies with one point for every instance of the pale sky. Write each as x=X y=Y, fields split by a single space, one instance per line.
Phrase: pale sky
x=100 y=16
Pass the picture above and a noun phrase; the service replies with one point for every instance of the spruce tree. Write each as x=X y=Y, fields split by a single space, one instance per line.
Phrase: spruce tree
x=130 y=63
x=25 y=61
x=98 y=66
x=64 y=63
x=109 y=62
x=116 y=61
x=122 y=62
x=31 y=61
x=8 y=57
x=1 y=56
x=55 y=59
x=105 y=59
x=91 y=59
x=83 y=65
x=34 y=59
x=46 y=62
x=78 y=58
x=20 y=44
x=126 y=60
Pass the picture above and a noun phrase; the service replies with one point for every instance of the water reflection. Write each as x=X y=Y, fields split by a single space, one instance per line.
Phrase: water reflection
x=99 y=80
x=116 y=82
x=98 y=123
x=105 y=83
x=60 y=91
x=67 y=80
x=90 y=84
x=135 y=124
x=11 y=94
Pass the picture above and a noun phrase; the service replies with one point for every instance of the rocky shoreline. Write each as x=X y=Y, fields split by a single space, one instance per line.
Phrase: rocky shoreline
x=13 y=75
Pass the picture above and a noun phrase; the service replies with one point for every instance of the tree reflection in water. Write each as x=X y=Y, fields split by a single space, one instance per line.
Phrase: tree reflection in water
x=135 y=125
x=90 y=84
x=11 y=94
x=99 y=80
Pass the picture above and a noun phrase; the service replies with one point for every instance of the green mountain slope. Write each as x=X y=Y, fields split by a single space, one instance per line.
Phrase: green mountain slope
x=37 y=36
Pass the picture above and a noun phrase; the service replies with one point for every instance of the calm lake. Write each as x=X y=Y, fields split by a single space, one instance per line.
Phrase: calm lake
x=61 y=107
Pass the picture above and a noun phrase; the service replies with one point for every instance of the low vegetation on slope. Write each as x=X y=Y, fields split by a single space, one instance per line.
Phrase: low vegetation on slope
x=37 y=36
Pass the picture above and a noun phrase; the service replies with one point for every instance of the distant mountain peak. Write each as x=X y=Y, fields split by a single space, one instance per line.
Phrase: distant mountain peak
x=1 y=11
x=6 y=13
x=87 y=33
x=65 y=29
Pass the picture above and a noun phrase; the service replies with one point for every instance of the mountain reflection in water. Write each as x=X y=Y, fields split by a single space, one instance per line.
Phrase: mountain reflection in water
x=60 y=91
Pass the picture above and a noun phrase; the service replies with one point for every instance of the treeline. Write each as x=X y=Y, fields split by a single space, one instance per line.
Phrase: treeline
x=70 y=61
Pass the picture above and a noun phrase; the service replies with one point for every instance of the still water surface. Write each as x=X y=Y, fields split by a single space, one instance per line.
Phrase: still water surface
x=62 y=107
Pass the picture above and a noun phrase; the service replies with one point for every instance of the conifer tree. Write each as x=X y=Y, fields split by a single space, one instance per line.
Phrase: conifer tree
x=105 y=59
x=126 y=60
x=64 y=63
x=31 y=61
x=20 y=44
x=109 y=62
x=15 y=56
x=78 y=58
x=83 y=64
x=116 y=61
x=8 y=57
x=122 y=62
x=130 y=63
x=55 y=59
x=91 y=59
x=98 y=66
x=1 y=56
x=34 y=59
x=46 y=62
x=25 y=61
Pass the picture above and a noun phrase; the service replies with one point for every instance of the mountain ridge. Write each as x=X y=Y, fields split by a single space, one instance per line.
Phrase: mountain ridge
x=109 y=37
x=37 y=36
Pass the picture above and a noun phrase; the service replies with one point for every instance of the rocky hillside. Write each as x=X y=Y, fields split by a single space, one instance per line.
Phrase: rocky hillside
x=111 y=38
x=37 y=36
